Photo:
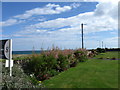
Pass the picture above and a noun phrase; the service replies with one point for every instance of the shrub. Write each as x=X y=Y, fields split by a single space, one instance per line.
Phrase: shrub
x=50 y=63
x=74 y=63
x=21 y=60
x=81 y=55
x=40 y=65
x=100 y=50
x=62 y=63
x=94 y=52
x=53 y=72
x=18 y=80
x=72 y=60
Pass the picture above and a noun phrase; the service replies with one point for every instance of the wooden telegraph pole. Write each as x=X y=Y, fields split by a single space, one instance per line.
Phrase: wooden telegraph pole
x=82 y=35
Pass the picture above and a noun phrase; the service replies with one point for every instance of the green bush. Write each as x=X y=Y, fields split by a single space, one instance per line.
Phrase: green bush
x=72 y=60
x=18 y=80
x=62 y=62
x=41 y=65
x=50 y=63
x=21 y=60
x=81 y=55
x=34 y=81
x=53 y=72
x=100 y=50
x=94 y=52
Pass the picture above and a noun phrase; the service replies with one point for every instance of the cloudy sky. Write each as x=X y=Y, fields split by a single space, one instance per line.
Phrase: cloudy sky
x=43 y=24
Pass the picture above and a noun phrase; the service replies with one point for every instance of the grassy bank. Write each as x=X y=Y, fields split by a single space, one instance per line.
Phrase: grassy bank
x=95 y=73
x=40 y=67
x=110 y=55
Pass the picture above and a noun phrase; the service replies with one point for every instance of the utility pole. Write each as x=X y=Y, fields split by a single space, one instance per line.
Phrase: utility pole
x=102 y=44
x=33 y=50
x=82 y=35
x=99 y=43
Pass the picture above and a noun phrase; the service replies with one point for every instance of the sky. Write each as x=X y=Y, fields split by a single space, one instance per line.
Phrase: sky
x=47 y=24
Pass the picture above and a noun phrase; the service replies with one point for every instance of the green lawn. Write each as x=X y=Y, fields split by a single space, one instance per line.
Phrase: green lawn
x=94 y=73
x=109 y=54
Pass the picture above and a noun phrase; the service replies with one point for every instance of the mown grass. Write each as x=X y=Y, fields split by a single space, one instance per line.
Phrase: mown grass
x=94 y=73
x=112 y=54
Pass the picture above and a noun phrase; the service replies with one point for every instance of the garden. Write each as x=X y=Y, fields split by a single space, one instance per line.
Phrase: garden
x=62 y=69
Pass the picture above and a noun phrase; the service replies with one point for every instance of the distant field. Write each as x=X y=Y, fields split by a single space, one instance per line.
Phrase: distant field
x=111 y=54
x=94 y=73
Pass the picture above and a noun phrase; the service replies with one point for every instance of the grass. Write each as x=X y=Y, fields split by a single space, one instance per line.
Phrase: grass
x=94 y=73
x=112 y=54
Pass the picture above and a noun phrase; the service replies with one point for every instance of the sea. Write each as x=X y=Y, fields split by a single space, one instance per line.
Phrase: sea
x=25 y=52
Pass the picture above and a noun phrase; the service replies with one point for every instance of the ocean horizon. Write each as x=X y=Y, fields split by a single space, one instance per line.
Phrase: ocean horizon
x=39 y=51
x=26 y=52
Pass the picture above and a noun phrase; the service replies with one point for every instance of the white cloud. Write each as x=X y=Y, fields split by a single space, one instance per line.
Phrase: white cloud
x=48 y=9
x=104 y=18
x=52 y=5
x=111 y=42
x=107 y=8
x=94 y=22
x=75 y=5
x=68 y=30
x=8 y=22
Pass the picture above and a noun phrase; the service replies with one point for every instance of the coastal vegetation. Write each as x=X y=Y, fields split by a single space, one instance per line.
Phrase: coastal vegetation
x=50 y=63
x=95 y=73
x=68 y=68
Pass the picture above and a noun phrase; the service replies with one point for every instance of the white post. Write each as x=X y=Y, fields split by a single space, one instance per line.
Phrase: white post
x=10 y=56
